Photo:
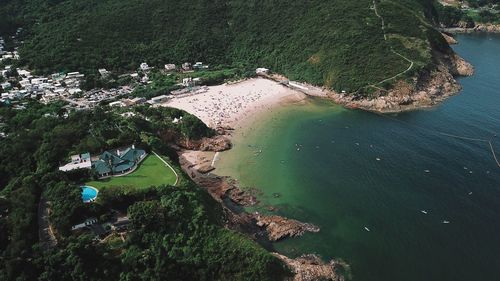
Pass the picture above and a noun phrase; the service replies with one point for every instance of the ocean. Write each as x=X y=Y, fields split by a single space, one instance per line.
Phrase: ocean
x=424 y=183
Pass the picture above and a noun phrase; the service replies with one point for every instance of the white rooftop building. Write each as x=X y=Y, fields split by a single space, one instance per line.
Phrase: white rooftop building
x=159 y=99
x=262 y=71
x=6 y=85
x=23 y=73
x=103 y=72
x=144 y=66
x=79 y=161
x=117 y=104
x=170 y=67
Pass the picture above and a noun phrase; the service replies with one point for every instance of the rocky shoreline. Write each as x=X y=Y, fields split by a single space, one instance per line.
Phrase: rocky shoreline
x=478 y=28
x=196 y=159
x=198 y=165
x=311 y=268
x=427 y=90
x=226 y=191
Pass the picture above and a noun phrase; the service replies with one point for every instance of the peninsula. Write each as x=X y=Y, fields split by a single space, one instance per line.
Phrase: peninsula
x=113 y=114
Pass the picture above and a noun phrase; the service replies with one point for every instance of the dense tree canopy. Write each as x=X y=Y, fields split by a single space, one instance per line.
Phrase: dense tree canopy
x=176 y=232
x=337 y=43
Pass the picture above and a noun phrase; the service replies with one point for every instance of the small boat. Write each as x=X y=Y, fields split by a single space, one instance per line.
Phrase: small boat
x=378 y=159
x=367 y=229
x=446 y=222
x=424 y=212
x=470 y=193
x=427 y=171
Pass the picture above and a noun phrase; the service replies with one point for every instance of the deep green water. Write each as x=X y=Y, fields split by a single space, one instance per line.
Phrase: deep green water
x=336 y=182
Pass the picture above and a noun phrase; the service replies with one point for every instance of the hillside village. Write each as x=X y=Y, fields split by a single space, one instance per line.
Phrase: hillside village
x=20 y=84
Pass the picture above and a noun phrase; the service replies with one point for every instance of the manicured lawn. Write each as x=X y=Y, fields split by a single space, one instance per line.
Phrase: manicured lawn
x=151 y=172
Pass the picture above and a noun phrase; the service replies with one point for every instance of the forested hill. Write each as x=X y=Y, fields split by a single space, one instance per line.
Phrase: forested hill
x=337 y=43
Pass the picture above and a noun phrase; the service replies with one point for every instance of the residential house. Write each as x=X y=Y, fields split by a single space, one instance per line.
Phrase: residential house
x=104 y=73
x=85 y=224
x=262 y=71
x=186 y=66
x=119 y=162
x=159 y=99
x=117 y=104
x=6 y=85
x=170 y=67
x=144 y=66
x=78 y=161
x=199 y=65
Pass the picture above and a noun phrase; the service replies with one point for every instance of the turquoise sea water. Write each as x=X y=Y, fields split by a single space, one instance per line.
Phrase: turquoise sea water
x=345 y=170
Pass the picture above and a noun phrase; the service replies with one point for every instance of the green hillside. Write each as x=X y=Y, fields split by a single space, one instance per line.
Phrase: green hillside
x=337 y=43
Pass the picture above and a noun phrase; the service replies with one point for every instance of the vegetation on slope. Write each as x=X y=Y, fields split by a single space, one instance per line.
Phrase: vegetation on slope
x=176 y=233
x=337 y=43
x=483 y=11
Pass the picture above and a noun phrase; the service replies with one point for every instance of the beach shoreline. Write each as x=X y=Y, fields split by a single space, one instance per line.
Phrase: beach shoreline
x=234 y=105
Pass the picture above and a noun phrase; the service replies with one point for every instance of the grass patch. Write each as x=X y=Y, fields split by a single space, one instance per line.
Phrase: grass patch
x=151 y=172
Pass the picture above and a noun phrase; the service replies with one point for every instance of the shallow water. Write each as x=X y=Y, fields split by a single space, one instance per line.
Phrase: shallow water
x=346 y=170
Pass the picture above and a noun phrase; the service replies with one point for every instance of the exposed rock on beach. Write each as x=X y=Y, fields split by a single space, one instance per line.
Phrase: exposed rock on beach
x=311 y=268
x=477 y=28
x=279 y=227
x=224 y=188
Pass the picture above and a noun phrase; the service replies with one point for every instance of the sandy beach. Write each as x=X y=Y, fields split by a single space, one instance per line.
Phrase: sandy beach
x=229 y=105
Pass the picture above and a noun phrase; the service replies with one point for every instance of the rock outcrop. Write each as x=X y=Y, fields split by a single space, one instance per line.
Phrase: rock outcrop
x=312 y=268
x=449 y=39
x=428 y=89
x=481 y=27
x=225 y=188
x=197 y=165
x=278 y=227
x=241 y=197
x=217 y=143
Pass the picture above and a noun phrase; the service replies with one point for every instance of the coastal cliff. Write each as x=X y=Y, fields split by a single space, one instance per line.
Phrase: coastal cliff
x=424 y=90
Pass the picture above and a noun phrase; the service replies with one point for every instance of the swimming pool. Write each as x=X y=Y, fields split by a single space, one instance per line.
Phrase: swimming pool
x=89 y=193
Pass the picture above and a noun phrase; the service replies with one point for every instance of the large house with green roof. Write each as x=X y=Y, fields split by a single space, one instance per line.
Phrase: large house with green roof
x=118 y=162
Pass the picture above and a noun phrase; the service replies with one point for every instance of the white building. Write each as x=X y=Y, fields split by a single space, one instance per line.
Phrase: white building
x=117 y=104
x=186 y=66
x=6 y=85
x=262 y=71
x=79 y=161
x=159 y=99
x=199 y=65
x=85 y=224
x=104 y=73
x=186 y=82
x=23 y=73
x=144 y=66
x=170 y=67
